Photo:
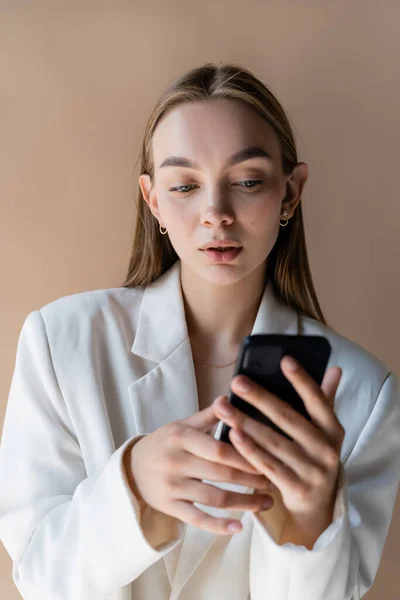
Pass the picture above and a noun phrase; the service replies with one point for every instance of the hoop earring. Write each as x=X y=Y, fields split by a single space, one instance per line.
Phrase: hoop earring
x=286 y=222
x=161 y=231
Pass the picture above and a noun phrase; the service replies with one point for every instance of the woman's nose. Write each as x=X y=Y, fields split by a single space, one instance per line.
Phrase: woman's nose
x=216 y=212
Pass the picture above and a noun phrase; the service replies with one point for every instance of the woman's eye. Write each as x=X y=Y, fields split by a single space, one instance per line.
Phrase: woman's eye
x=252 y=183
x=179 y=187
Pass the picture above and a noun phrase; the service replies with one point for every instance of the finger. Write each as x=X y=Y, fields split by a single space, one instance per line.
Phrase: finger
x=278 y=449
x=215 y=451
x=314 y=399
x=280 y=413
x=186 y=512
x=197 y=468
x=203 y=493
x=202 y=420
x=282 y=475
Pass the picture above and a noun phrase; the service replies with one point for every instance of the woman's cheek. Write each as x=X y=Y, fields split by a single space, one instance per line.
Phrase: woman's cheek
x=174 y=216
x=262 y=215
x=182 y=226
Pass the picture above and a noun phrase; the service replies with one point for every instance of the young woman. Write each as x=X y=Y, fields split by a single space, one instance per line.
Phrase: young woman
x=112 y=484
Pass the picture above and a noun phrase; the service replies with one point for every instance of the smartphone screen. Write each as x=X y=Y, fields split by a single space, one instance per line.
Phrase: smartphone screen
x=259 y=359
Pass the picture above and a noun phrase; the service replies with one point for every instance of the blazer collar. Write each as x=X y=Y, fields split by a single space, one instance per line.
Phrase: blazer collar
x=162 y=324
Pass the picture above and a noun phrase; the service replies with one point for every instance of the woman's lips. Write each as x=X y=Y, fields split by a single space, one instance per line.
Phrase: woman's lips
x=226 y=256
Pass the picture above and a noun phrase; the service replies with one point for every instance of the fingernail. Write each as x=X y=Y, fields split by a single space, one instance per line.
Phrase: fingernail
x=225 y=409
x=290 y=363
x=234 y=526
x=242 y=385
x=267 y=503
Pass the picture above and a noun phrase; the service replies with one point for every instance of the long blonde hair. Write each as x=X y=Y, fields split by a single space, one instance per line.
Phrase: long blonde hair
x=152 y=253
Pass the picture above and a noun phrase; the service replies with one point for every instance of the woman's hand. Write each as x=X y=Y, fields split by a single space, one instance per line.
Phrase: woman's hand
x=167 y=466
x=306 y=469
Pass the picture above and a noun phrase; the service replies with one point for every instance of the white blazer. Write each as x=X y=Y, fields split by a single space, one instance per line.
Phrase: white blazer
x=97 y=370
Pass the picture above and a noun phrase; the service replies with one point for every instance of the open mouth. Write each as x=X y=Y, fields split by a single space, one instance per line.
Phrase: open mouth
x=225 y=254
x=224 y=249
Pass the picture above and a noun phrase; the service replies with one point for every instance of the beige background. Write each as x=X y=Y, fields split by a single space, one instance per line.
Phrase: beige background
x=77 y=81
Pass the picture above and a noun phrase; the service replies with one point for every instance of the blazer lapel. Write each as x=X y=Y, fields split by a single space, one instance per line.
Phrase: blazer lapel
x=167 y=391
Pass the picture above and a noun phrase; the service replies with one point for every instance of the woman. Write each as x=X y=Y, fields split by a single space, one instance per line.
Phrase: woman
x=107 y=442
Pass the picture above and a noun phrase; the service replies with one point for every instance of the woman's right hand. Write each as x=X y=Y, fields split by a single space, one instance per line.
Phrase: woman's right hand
x=167 y=467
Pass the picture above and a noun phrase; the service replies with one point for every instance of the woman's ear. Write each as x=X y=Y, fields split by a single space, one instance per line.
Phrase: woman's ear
x=294 y=187
x=149 y=195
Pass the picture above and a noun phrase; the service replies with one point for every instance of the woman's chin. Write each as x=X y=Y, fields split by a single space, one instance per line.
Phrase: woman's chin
x=222 y=275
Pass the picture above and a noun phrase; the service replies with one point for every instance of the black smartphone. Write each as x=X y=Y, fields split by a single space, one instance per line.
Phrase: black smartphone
x=259 y=359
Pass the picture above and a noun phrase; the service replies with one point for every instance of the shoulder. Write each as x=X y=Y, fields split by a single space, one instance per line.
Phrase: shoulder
x=91 y=302
x=84 y=315
x=89 y=305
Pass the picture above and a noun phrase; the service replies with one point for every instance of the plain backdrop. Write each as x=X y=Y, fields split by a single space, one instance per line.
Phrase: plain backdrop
x=77 y=83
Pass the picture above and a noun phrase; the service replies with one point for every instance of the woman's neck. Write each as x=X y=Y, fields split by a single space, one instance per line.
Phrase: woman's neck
x=218 y=317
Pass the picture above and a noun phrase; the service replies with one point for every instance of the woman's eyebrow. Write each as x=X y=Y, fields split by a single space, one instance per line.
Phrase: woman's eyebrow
x=238 y=157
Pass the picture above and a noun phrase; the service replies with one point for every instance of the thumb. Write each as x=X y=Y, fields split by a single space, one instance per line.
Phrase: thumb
x=202 y=420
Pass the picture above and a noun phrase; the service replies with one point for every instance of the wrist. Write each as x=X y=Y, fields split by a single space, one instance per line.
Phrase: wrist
x=127 y=461
x=305 y=532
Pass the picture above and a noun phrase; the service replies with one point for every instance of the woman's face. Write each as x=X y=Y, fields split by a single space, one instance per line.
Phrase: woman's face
x=215 y=198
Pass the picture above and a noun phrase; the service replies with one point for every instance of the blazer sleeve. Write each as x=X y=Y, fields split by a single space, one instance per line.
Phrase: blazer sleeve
x=344 y=561
x=70 y=536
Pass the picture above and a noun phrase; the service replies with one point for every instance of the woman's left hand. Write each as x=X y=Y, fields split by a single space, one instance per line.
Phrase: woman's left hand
x=304 y=470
